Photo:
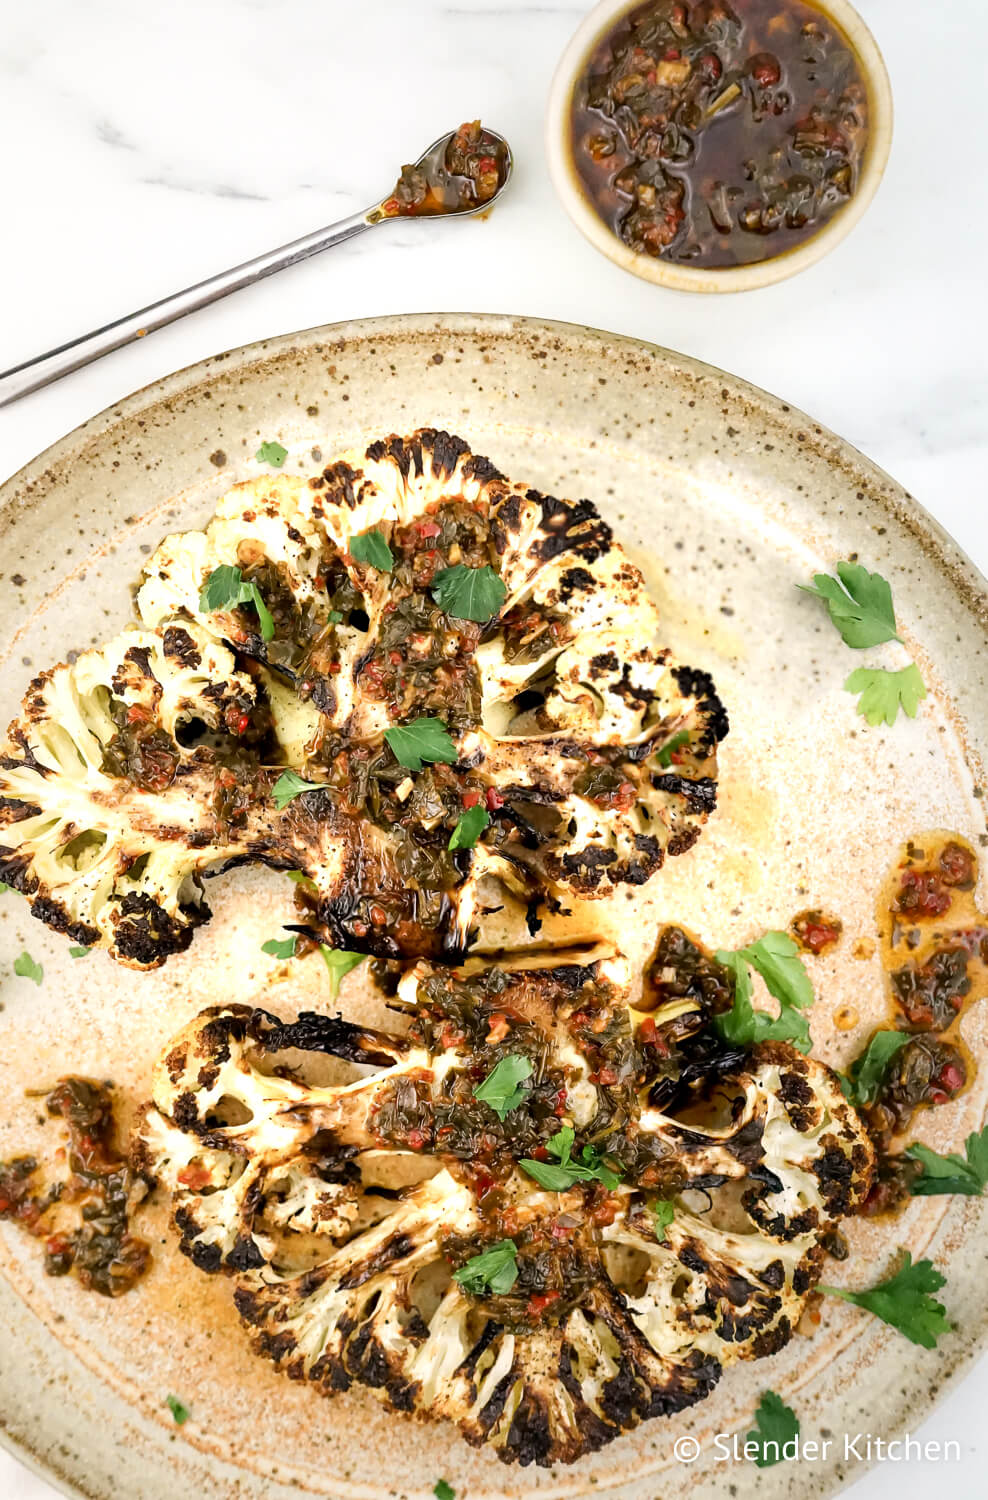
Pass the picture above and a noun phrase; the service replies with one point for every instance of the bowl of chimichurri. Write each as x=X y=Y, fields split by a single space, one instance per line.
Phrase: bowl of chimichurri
x=719 y=145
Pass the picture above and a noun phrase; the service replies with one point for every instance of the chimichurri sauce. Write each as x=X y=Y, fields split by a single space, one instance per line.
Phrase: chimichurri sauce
x=718 y=135
x=453 y=177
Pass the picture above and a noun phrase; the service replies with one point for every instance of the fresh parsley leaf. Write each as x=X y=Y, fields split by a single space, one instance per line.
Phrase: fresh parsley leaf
x=339 y=961
x=469 y=826
x=495 y=1270
x=967 y=1174
x=867 y=1071
x=775 y=958
x=469 y=593
x=663 y=1212
x=665 y=753
x=178 y=1410
x=289 y=786
x=904 y=1301
x=860 y=604
x=225 y=589
x=271 y=453
x=501 y=1089
x=422 y=740
x=26 y=968
x=280 y=949
x=79 y=952
x=556 y=1179
x=443 y=1491
x=298 y=878
x=371 y=548
x=775 y=1425
x=884 y=693
x=4 y=887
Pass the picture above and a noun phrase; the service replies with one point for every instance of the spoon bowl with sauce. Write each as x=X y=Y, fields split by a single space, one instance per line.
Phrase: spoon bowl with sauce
x=462 y=173
x=719 y=145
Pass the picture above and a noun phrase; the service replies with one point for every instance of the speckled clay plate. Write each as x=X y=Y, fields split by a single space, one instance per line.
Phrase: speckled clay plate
x=728 y=498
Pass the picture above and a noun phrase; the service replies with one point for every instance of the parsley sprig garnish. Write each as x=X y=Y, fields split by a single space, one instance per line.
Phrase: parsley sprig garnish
x=967 y=1174
x=883 y=693
x=775 y=1424
x=289 y=786
x=494 y=1270
x=860 y=605
x=502 y=1089
x=905 y=1301
x=864 y=1077
x=271 y=453
x=225 y=589
x=557 y=1176
x=339 y=962
x=371 y=548
x=776 y=958
x=26 y=968
x=422 y=740
x=469 y=593
x=663 y=1212
x=469 y=826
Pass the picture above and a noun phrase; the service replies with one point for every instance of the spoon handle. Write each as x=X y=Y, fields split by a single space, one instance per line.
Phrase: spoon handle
x=45 y=368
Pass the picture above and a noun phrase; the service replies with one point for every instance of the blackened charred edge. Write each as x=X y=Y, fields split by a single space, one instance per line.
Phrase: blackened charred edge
x=569 y=527
x=312 y=1032
x=148 y=934
x=179 y=645
x=700 y=796
x=55 y=915
x=695 y=683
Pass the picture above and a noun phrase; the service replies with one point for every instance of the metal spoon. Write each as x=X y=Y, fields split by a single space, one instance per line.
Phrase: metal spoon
x=45 y=368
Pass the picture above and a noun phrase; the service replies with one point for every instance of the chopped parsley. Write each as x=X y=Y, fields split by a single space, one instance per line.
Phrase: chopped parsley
x=469 y=826
x=495 y=1270
x=280 y=949
x=79 y=952
x=469 y=593
x=271 y=453
x=339 y=962
x=289 y=786
x=864 y=1077
x=501 y=1089
x=775 y=1425
x=967 y=1174
x=422 y=740
x=557 y=1176
x=225 y=589
x=371 y=548
x=4 y=887
x=883 y=693
x=665 y=752
x=26 y=968
x=178 y=1409
x=776 y=958
x=860 y=604
x=904 y=1302
x=443 y=1491
x=663 y=1212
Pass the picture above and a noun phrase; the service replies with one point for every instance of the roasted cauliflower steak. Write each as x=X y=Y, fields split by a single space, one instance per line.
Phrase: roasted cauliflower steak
x=508 y=618
x=350 y=1216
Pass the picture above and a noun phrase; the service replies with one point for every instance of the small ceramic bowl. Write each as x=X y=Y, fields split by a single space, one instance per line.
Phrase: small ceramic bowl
x=562 y=169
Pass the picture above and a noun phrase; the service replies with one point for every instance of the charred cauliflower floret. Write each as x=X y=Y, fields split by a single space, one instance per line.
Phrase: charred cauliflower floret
x=114 y=795
x=470 y=1229
x=412 y=582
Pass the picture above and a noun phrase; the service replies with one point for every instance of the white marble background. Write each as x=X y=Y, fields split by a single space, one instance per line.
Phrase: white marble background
x=144 y=147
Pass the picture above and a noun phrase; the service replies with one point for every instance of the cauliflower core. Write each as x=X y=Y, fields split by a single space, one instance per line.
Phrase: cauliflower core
x=590 y=750
x=350 y=1217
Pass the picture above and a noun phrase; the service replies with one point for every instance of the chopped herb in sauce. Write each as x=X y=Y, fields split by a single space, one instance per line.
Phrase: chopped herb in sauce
x=664 y=755
x=455 y=177
x=719 y=134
